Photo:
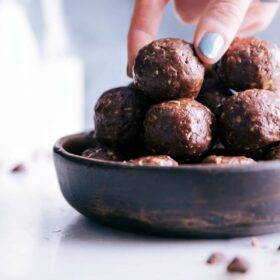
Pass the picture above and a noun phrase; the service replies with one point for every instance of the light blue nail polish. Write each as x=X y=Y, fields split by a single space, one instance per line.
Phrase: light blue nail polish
x=211 y=45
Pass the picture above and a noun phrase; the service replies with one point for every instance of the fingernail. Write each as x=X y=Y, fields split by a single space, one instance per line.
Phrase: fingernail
x=211 y=45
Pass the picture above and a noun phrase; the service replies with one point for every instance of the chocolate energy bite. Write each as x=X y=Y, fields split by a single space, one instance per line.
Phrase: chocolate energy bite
x=183 y=129
x=160 y=160
x=228 y=160
x=273 y=153
x=251 y=63
x=250 y=120
x=103 y=153
x=168 y=69
x=118 y=119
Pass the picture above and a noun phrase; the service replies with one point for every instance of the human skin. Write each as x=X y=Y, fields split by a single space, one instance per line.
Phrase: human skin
x=217 y=23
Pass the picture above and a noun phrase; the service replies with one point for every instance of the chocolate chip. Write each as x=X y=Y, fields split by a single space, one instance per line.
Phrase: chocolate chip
x=238 y=265
x=18 y=168
x=216 y=258
x=255 y=242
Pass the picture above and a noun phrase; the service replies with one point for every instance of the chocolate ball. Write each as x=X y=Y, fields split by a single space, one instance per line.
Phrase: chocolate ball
x=160 y=160
x=119 y=115
x=250 y=120
x=168 y=69
x=183 y=129
x=251 y=63
x=103 y=153
x=228 y=160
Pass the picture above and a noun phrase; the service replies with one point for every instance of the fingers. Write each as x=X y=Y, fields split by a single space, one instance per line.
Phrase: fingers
x=217 y=27
x=189 y=11
x=219 y=23
x=258 y=17
x=144 y=25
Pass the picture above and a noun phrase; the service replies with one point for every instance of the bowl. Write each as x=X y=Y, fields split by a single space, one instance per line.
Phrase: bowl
x=201 y=200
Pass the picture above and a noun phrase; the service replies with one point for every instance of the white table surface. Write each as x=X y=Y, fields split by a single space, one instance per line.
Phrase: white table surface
x=42 y=237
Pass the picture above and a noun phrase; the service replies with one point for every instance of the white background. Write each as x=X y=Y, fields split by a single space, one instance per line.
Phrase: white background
x=42 y=237
x=56 y=58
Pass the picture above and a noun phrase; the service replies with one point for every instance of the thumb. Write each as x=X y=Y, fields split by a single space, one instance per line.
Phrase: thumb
x=217 y=27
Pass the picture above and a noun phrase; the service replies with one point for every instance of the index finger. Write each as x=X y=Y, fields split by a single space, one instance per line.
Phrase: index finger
x=144 y=25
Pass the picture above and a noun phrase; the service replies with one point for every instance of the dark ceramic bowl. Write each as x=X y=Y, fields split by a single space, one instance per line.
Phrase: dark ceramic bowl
x=189 y=200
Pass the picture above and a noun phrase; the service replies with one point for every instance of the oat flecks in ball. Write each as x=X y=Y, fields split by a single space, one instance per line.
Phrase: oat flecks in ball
x=168 y=69
x=160 y=160
x=181 y=128
x=273 y=153
x=118 y=119
x=103 y=153
x=250 y=120
x=251 y=63
x=228 y=160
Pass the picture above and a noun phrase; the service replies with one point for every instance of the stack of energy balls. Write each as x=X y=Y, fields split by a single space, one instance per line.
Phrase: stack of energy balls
x=178 y=112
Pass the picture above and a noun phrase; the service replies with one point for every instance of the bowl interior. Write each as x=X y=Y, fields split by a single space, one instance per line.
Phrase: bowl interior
x=72 y=146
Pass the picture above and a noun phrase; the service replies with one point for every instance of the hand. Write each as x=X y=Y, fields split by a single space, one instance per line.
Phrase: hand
x=218 y=22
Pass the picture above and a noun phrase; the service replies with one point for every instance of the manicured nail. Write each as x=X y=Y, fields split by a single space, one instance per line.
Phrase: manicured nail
x=211 y=45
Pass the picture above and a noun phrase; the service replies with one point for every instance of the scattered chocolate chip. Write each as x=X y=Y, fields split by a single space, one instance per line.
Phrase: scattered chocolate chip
x=18 y=168
x=278 y=249
x=217 y=258
x=255 y=242
x=238 y=265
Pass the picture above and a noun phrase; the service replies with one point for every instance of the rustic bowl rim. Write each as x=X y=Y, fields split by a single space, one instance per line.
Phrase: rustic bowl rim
x=255 y=167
